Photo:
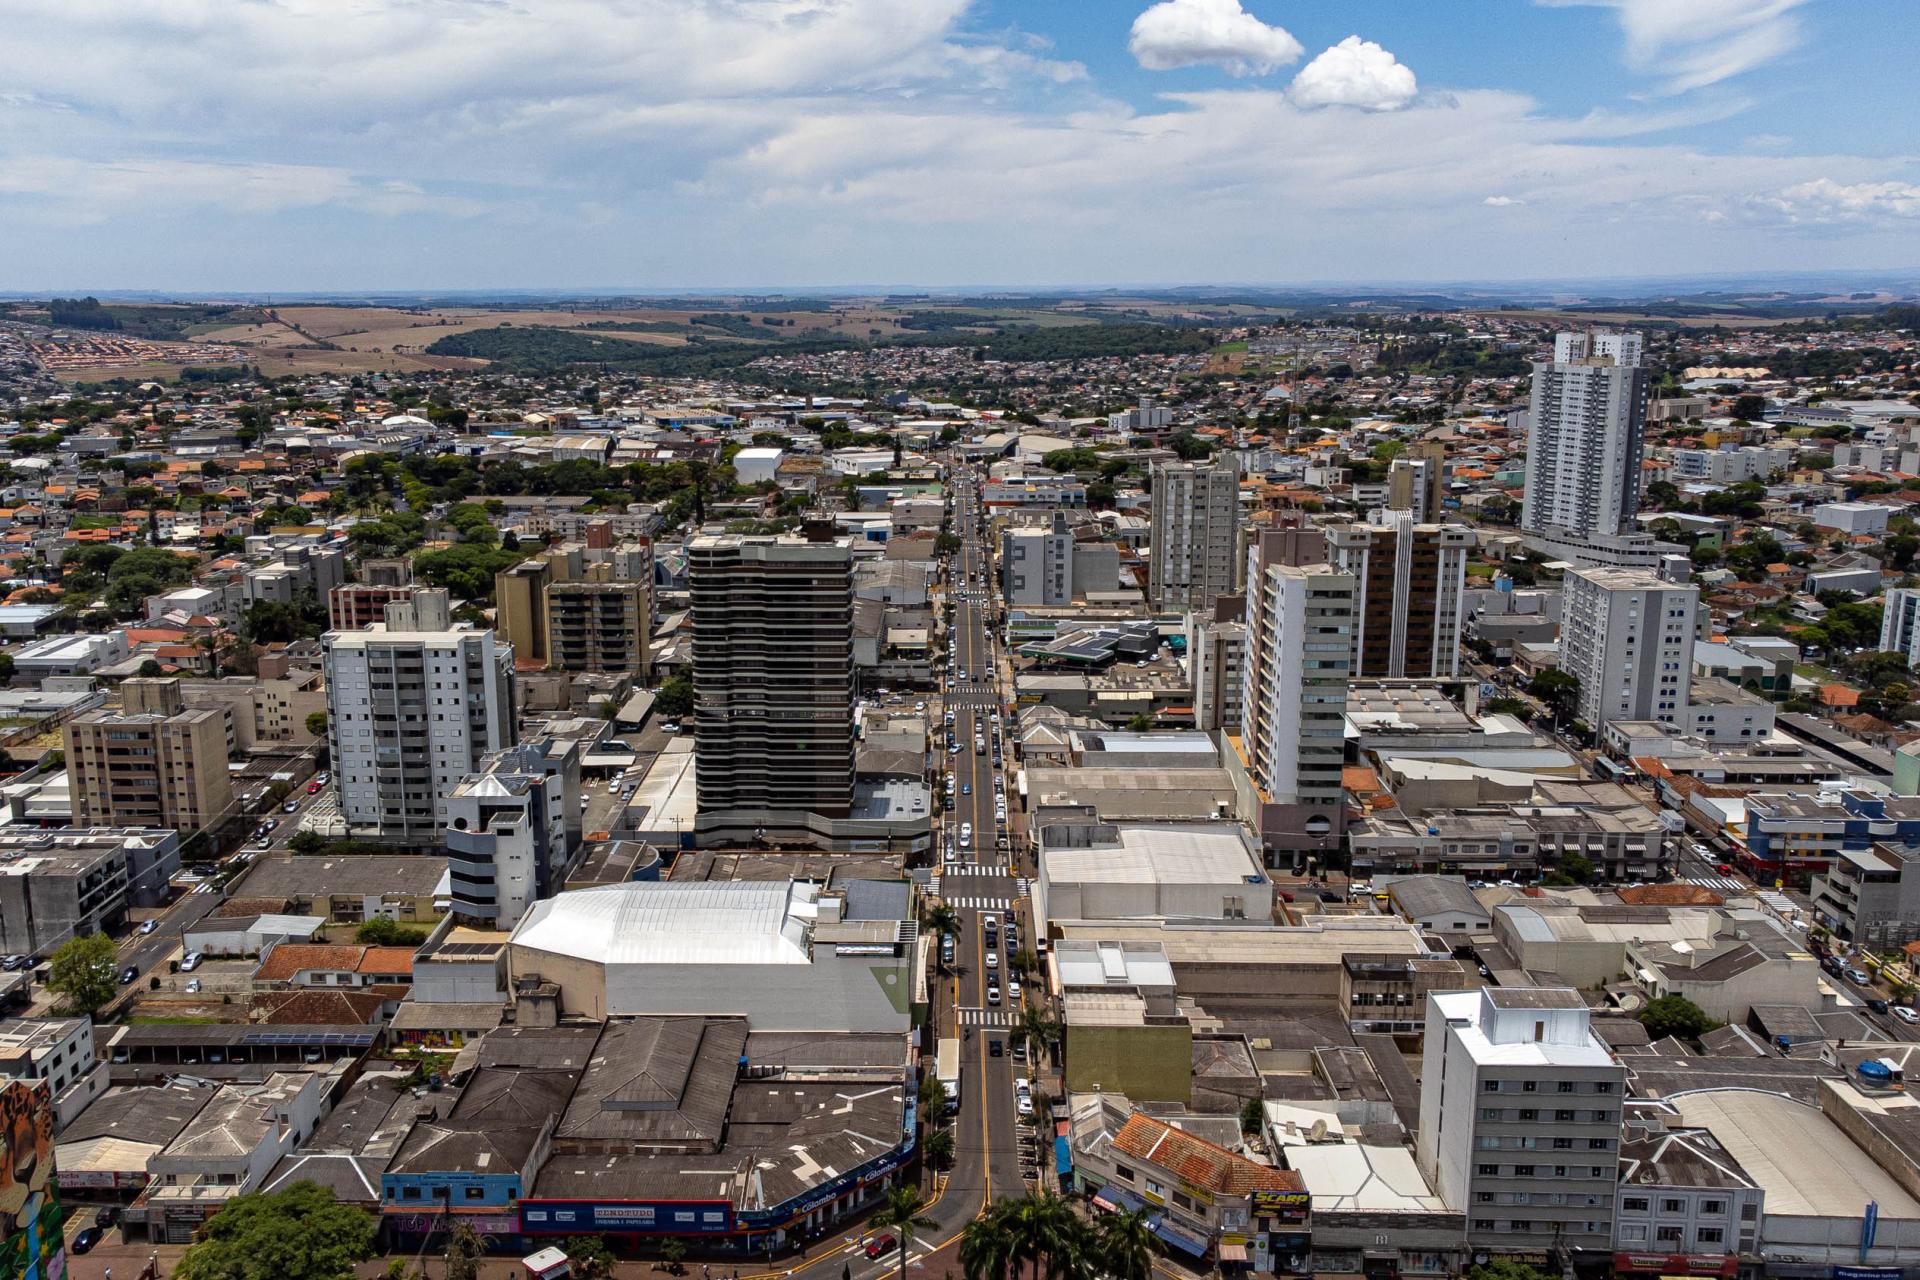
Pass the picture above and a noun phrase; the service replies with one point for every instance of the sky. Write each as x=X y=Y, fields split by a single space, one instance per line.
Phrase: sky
x=402 y=145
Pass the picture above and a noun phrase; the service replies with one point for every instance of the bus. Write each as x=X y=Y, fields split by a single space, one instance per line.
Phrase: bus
x=946 y=1070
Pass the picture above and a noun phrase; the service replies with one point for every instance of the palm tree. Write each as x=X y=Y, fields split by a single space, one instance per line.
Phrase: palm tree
x=1046 y=1232
x=938 y=1149
x=941 y=919
x=903 y=1215
x=986 y=1245
x=1126 y=1245
x=1036 y=1029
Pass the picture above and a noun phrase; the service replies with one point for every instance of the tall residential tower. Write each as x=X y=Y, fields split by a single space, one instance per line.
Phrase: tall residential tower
x=1195 y=549
x=1586 y=417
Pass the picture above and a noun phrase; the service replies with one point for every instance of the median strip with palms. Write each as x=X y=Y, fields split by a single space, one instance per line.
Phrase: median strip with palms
x=1042 y=1232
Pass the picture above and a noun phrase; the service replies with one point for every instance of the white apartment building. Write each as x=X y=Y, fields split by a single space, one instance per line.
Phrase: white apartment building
x=1900 y=623
x=1036 y=565
x=412 y=707
x=1194 y=555
x=1729 y=466
x=514 y=830
x=1627 y=636
x=1299 y=652
x=1584 y=443
x=59 y=1051
x=1520 y=1118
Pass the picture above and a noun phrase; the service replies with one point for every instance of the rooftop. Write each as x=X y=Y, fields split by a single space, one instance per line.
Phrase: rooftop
x=669 y=922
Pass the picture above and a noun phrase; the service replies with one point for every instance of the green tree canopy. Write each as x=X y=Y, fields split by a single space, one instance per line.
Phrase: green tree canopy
x=1507 y=1269
x=674 y=700
x=86 y=972
x=302 y=1233
x=1675 y=1015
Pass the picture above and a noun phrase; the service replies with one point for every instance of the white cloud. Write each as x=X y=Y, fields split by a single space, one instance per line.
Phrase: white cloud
x=1823 y=201
x=1354 y=73
x=1184 y=33
x=1694 y=43
x=1501 y=202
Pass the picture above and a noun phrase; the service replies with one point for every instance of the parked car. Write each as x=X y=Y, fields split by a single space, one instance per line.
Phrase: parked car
x=128 y=974
x=148 y=926
x=193 y=987
x=1906 y=1014
x=84 y=1242
x=191 y=961
x=1859 y=977
x=882 y=1244
x=1876 y=1004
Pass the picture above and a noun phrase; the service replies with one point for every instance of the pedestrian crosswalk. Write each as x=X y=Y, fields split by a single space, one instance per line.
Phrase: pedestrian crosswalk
x=968 y=903
x=984 y=1017
x=1719 y=884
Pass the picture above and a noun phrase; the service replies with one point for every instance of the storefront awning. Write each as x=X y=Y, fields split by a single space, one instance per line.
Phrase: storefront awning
x=1062 y=1157
x=1118 y=1200
x=1179 y=1239
x=1232 y=1252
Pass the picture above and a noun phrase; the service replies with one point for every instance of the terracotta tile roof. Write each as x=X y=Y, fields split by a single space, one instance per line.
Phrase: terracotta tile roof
x=315 y=1008
x=1839 y=695
x=387 y=960
x=290 y=958
x=1198 y=1161
x=1670 y=895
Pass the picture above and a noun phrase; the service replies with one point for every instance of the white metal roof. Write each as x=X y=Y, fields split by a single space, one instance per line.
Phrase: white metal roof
x=703 y=922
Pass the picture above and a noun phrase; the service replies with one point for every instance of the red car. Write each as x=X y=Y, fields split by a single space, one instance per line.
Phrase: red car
x=313 y=788
x=1724 y=868
x=881 y=1245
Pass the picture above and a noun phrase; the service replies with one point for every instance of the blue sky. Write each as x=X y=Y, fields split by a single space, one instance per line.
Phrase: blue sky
x=204 y=145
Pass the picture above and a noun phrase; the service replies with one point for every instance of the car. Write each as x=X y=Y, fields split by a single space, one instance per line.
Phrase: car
x=995 y=1049
x=291 y=806
x=669 y=726
x=148 y=926
x=106 y=1215
x=882 y=1244
x=1485 y=972
x=1906 y=1014
x=966 y=832
x=268 y=824
x=313 y=788
x=1724 y=868
x=1859 y=977
x=128 y=974
x=190 y=961
x=1285 y=895
x=85 y=1240
x=1013 y=988
x=1876 y=1004
x=966 y=788
x=993 y=959
x=193 y=987
x=993 y=995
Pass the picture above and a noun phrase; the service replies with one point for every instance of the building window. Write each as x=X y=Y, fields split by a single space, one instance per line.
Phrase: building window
x=1491 y=1086
x=1634 y=1204
x=1668 y=1235
x=1673 y=1206
x=1715 y=1207
x=476 y=1193
x=1489 y=1170
x=1123 y=1173
x=1708 y=1235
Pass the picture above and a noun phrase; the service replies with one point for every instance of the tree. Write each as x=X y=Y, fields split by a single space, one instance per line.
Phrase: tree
x=150 y=668
x=1253 y=1117
x=904 y=1214
x=1560 y=690
x=946 y=543
x=933 y=1096
x=986 y=1245
x=673 y=1249
x=591 y=1258
x=306 y=844
x=1024 y=962
x=1750 y=408
x=1507 y=1269
x=1036 y=1029
x=938 y=1149
x=1675 y=1015
x=302 y=1233
x=1141 y=723
x=317 y=723
x=383 y=932
x=6 y=667
x=1126 y=1245
x=465 y=1248
x=86 y=971
x=674 y=699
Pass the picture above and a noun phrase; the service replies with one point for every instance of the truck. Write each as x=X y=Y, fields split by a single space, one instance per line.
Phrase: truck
x=946 y=1069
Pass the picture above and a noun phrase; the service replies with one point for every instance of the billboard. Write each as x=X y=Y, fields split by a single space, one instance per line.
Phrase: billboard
x=629 y=1217
x=34 y=1247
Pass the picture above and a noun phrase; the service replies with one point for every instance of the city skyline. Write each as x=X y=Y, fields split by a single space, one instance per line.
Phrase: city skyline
x=832 y=143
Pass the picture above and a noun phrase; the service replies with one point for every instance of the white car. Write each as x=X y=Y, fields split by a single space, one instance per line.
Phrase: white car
x=148 y=926
x=993 y=995
x=966 y=832
x=1905 y=1014
x=1013 y=988
x=993 y=959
